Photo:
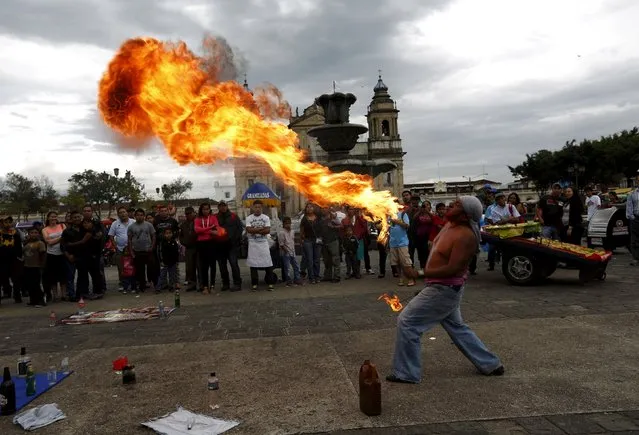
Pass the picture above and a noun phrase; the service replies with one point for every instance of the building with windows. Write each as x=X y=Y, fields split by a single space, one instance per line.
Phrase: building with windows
x=223 y=192
x=447 y=188
x=384 y=142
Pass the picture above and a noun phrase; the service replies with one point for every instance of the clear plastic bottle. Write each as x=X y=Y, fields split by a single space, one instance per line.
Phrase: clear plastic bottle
x=161 y=310
x=64 y=367
x=52 y=372
x=214 y=391
x=52 y=319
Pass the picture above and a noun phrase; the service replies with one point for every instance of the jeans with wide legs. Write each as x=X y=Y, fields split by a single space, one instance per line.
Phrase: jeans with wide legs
x=190 y=267
x=313 y=252
x=234 y=255
x=435 y=304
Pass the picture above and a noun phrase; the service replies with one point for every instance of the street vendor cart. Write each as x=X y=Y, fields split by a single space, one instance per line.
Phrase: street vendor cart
x=528 y=259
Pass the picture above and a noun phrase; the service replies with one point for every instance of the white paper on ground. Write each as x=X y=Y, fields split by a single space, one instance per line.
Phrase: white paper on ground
x=177 y=423
x=40 y=416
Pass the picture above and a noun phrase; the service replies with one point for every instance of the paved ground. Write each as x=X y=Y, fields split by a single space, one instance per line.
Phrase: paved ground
x=288 y=360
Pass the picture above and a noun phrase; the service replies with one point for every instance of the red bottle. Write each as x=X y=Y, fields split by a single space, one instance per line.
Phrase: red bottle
x=370 y=389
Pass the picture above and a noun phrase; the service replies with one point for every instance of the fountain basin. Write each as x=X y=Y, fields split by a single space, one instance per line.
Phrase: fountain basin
x=337 y=138
x=364 y=167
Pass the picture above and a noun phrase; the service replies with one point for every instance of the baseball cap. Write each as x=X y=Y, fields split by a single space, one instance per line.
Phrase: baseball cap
x=221 y=203
x=556 y=185
x=499 y=195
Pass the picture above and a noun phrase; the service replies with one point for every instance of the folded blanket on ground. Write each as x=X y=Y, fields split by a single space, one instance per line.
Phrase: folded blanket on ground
x=40 y=416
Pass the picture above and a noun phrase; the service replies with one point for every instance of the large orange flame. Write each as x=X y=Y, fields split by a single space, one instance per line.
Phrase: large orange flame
x=153 y=88
x=393 y=301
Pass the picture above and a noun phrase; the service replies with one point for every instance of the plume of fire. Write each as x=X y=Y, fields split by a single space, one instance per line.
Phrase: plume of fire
x=392 y=301
x=159 y=89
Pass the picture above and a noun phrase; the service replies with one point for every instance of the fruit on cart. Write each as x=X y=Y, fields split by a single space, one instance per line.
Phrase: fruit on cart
x=581 y=251
x=512 y=230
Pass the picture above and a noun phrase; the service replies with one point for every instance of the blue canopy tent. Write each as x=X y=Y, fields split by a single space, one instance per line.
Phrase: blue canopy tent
x=262 y=192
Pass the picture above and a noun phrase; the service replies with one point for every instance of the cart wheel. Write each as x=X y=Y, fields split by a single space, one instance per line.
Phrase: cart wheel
x=520 y=269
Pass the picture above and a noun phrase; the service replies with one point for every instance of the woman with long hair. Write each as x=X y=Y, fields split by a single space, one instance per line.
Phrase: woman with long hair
x=572 y=219
x=206 y=229
x=55 y=270
x=513 y=199
x=311 y=242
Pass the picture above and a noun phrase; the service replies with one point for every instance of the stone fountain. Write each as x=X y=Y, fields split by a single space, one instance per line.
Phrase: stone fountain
x=338 y=137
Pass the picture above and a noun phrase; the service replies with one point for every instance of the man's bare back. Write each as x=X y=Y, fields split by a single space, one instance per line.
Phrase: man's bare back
x=451 y=252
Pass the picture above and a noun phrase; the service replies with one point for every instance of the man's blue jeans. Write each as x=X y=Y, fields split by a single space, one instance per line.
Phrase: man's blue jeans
x=548 y=232
x=313 y=253
x=435 y=304
x=287 y=261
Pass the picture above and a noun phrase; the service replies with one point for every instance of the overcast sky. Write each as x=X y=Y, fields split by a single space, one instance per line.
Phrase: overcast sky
x=478 y=83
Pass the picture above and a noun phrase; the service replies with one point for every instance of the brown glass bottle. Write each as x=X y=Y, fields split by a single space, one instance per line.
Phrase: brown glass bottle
x=370 y=389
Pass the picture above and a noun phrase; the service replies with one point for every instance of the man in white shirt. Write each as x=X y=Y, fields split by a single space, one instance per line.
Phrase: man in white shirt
x=119 y=237
x=593 y=202
x=258 y=228
x=502 y=213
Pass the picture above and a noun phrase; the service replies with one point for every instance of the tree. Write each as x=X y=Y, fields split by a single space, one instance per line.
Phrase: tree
x=73 y=200
x=540 y=168
x=606 y=160
x=176 y=189
x=21 y=195
x=18 y=194
x=45 y=197
x=103 y=189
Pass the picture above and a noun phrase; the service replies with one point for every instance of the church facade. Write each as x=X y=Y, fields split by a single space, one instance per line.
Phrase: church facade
x=384 y=142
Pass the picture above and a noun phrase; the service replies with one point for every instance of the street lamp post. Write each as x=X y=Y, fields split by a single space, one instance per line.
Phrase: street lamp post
x=116 y=171
x=576 y=170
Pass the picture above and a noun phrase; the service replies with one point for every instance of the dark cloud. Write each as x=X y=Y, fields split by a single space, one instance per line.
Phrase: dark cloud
x=101 y=23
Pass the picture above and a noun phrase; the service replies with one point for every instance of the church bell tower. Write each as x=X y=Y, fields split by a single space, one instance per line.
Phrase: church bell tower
x=383 y=137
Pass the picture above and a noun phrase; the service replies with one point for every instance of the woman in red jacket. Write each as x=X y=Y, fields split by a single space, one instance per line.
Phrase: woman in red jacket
x=206 y=230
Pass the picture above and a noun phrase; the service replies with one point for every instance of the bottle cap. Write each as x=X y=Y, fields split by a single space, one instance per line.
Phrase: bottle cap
x=213 y=374
x=23 y=351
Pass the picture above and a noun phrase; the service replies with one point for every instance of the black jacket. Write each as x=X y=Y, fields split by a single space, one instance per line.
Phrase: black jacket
x=168 y=252
x=233 y=226
x=575 y=218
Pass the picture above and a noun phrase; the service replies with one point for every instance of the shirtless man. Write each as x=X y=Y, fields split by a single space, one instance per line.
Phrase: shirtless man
x=439 y=301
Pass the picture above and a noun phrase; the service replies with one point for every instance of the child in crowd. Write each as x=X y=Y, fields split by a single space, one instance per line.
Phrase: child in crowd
x=350 y=244
x=168 y=254
x=286 y=240
x=34 y=253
